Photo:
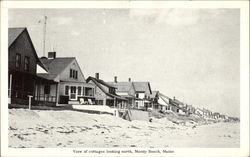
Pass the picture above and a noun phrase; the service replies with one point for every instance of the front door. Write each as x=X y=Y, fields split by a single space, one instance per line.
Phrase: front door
x=73 y=93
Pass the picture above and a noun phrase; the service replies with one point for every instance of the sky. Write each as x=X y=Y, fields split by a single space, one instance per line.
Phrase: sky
x=192 y=54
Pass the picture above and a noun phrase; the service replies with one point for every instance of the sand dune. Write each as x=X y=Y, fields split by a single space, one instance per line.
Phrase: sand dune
x=67 y=128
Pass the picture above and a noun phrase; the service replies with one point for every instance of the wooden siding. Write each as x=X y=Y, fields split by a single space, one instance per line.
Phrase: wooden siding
x=65 y=75
x=23 y=46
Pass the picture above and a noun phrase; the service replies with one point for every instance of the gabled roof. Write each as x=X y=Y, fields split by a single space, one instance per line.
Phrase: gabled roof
x=123 y=87
x=14 y=33
x=154 y=94
x=216 y=113
x=177 y=102
x=206 y=110
x=55 y=66
x=142 y=87
x=99 y=83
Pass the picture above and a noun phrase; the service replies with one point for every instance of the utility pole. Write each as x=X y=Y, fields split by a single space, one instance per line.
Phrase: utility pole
x=44 y=34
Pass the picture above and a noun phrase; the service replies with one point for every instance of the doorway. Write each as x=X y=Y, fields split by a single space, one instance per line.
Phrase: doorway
x=73 y=93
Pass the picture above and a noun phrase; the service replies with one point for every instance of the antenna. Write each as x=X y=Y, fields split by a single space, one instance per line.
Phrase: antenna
x=44 y=34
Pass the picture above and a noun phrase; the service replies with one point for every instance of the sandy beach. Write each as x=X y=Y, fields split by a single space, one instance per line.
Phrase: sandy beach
x=50 y=129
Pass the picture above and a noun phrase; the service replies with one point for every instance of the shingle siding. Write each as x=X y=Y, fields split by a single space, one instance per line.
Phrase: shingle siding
x=22 y=46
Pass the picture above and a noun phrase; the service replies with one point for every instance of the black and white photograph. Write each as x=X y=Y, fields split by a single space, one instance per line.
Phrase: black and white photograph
x=124 y=78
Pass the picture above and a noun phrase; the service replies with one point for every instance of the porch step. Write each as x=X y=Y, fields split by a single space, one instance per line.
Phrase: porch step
x=73 y=102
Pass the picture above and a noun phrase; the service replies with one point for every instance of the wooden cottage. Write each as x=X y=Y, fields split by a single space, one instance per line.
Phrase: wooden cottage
x=216 y=115
x=207 y=114
x=126 y=90
x=69 y=85
x=177 y=106
x=137 y=93
x=154 y=100
x=190 y=109
x=22 y=66
x=105 y=93
x=164 y=102
x=199 y=112
x=142 y=93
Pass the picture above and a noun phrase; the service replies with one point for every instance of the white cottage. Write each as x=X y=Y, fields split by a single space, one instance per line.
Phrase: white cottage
x=70 y=86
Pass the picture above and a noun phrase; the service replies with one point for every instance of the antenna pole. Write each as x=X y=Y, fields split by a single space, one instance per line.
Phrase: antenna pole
x=44 y=34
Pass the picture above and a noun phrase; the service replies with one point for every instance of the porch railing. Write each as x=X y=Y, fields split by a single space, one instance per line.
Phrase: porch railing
x=18 y=94
x=45 y=97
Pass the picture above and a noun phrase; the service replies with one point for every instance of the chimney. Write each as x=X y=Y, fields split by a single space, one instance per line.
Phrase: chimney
x=129 y=79
x=115 y=79
x=51 y=55
x=174 y=97
x=97 y=76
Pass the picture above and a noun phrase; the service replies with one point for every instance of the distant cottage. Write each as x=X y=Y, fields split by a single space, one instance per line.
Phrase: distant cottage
x=105 y=93
x=138 y=93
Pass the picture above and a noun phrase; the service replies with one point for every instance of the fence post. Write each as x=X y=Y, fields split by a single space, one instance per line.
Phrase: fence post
x=30 y=96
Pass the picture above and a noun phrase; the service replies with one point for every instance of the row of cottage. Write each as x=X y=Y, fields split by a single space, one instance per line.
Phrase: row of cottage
x=59 y=80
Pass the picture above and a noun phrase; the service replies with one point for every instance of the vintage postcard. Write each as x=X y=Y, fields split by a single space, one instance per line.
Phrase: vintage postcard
x=129 y=78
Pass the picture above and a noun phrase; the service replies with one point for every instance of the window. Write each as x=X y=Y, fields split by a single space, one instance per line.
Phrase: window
x=79 y=90
x=137 y=95
x=66 y=90
x=46 y=89
x=88 y=91
x=73 y=74
x=26 y=63
x=18 y=60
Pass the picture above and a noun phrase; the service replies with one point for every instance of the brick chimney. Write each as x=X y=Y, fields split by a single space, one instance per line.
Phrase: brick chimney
x=51 y=55
x=129 y=79
x=97 y=76
x=174 y=97
x=115 y=79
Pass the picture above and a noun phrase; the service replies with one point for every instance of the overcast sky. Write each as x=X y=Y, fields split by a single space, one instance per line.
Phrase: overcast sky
x=192 y=54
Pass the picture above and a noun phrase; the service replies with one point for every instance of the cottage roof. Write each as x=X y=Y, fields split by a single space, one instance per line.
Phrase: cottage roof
x=154 y=94
x=14 y=33
x=123 y=86
x=206 y=110
x=99 y=83
x=55 y=66
x=177 y=101
x=142 y=87
x=216 y=113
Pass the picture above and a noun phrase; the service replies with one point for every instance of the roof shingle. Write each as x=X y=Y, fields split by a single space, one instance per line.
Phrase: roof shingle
x=55 y=66
x=142 y=87
x=14 y=34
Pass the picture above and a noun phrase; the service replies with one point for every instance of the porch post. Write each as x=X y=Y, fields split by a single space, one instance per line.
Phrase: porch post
x=39 y=92
x=10 y=88
x=57 y=94
x=83 y=91
x=104 y=101
x=34 y=89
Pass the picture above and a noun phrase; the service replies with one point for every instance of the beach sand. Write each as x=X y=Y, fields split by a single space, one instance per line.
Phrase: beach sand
x=49 y=129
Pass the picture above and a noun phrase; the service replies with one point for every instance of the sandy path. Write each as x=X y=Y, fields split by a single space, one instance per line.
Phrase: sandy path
x=77 y=129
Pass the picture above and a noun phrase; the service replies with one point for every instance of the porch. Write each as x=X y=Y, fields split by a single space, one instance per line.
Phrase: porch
x=76 y=93
x=46 y=91
x=20 y=85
